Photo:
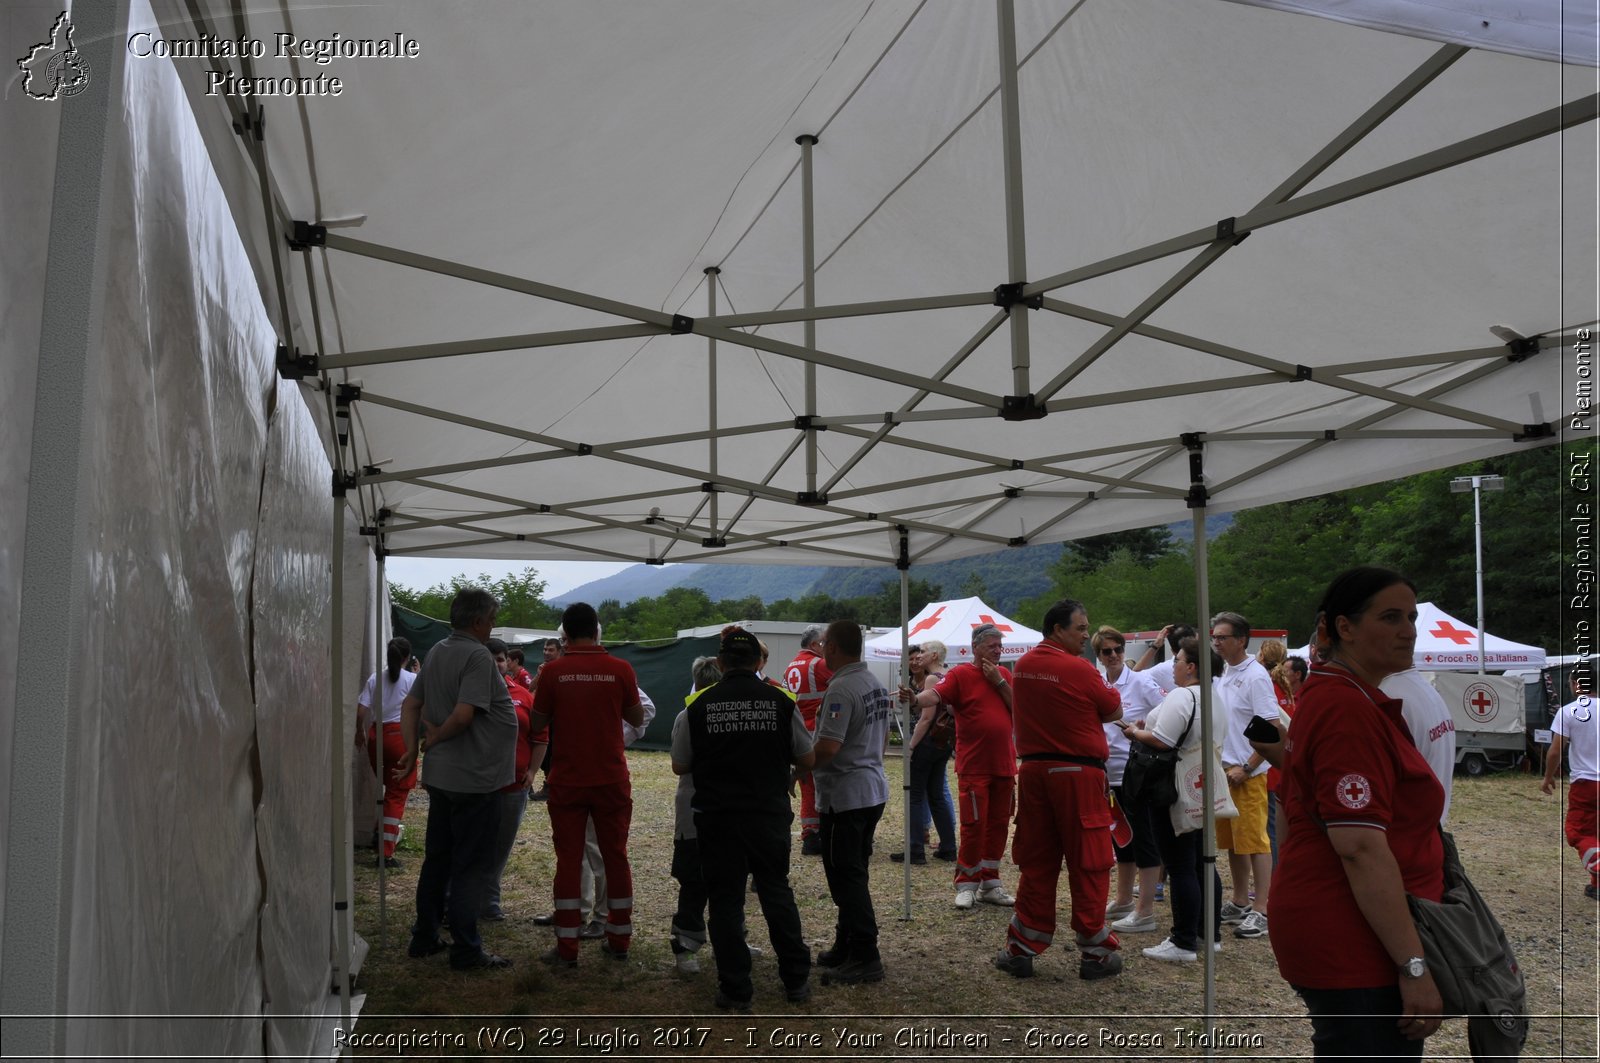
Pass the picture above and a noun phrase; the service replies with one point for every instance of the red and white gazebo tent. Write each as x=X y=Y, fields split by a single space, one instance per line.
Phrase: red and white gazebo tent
x=1445 y=644
x=952 y=623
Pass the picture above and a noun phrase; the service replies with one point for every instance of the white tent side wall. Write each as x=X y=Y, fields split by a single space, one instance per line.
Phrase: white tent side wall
x=192 y=646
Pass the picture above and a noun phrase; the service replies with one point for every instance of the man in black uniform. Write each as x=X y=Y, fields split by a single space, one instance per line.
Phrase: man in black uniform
x=741 y=738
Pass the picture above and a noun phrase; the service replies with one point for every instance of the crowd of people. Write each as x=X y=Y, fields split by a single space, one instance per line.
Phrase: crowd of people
x=1331 y=783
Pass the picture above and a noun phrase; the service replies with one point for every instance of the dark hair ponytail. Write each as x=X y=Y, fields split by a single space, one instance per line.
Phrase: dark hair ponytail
x=399 y=654
x=1349 y=595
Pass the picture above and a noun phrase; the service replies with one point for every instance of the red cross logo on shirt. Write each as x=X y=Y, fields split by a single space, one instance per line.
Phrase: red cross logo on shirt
x=985 y=618
x=1354 y=791
x=927 y=622
x=1444 y=629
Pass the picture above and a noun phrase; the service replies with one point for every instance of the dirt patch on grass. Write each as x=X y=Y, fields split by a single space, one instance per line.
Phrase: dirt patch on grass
x=941 y=997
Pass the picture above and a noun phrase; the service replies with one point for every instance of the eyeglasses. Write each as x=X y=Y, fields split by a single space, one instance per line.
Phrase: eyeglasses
x=1223 y=638
x=1113 y=651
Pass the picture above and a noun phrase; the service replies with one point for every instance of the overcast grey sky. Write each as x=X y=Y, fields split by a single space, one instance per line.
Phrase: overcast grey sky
x=420 y=573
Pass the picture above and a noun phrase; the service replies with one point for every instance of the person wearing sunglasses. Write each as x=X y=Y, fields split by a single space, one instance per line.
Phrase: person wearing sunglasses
x=1139 y=858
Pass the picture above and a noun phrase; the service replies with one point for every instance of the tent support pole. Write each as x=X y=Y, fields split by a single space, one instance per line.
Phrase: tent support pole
x=340 y=864
x=1208 y=851
x=380 y=676
x=1016 y=245
x=904 y=565
x=808 y=274
x=43 y=768
x=712 y=272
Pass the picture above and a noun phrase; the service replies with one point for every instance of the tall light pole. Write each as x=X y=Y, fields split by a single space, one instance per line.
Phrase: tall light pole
x=1478 y=484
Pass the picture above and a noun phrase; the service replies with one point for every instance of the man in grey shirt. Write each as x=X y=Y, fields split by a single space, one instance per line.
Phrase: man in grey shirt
x=852 y=730
x=469 y=733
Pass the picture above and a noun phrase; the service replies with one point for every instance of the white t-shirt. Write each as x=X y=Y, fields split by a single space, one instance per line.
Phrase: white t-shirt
x=1576 y=722
x=1246 y=689
x=1139 y=695
x=1433 y=730
x=393 y=694
x=1161 y=675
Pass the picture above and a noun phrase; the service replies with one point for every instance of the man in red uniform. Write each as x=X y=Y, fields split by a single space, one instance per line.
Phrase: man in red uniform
x=986 y=764
x=1062 y=812
x=587 y=694
x=807 y=678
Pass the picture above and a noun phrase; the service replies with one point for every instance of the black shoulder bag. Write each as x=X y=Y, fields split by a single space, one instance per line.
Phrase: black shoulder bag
x=1150 y=777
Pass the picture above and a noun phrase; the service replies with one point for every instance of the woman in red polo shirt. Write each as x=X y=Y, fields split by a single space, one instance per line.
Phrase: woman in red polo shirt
x=1363 y=831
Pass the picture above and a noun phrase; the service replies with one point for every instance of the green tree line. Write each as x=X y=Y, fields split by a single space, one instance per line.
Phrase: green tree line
x=1271 y=564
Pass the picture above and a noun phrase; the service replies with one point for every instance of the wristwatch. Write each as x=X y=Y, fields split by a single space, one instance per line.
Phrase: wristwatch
x=1415 y=967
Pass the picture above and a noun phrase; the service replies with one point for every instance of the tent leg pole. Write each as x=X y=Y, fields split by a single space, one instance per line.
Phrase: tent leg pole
x=905 y=729
x=1016 y=246
x=1208 y=850
x=380 y=675
x=340 y=788
x=43 y=767
x=712 y=272
x=809 y=285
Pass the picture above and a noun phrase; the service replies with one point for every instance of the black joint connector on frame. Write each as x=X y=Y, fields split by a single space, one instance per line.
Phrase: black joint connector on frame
x=296 y=366
x=713 y=542
x=1534 y=431
x=1303 y=372
x=1008 y=295
x=1017 y=540
x=346 y=394
x=342 y=482
x=307 y=235
x=1198 y=496
x=370 y=470
x=385 y=514
x=810 y=498
x=1329 y=435
x=1227 y=230
x=807 y=422
x=1522 y=349
x=1013 y=492
x=369 y=530
x=1190 y=440
x=585 y=449
x=655 y=560
x=708 y=488
x=682 y=324
x=1021 y=408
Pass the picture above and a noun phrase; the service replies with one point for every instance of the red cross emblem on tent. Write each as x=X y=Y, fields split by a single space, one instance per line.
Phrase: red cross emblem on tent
x=928 y=621
x=1444 y=629
x=1482 y=703
x=1354 y=791
x=985 y=618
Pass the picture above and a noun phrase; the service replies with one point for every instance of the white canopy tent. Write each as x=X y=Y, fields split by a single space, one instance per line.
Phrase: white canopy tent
x=843 y=281
x=1445 y=644
x=952 y=623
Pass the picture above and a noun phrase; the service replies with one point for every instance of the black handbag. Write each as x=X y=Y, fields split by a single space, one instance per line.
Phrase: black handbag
x=1150 y=779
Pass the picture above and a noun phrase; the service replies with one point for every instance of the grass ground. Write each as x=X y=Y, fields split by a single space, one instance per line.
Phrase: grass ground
x=939 y=981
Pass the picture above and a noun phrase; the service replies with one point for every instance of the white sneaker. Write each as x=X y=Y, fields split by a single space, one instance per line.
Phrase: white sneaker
x=1234 y=913
x=1216 y=946
x=1134 y=923
x=1167 y=952
x=998 y=896
x=1117 y=911
x=1253 y=925
x=687 y=963
x=965 y=898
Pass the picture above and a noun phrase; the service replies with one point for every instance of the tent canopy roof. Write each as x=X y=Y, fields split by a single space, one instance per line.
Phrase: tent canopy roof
x=952 y=623
x=572 y=321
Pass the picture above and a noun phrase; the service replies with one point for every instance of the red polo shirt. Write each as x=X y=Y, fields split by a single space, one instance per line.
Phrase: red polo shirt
x=523 y=701
x=1349 y=763
x=1062 y=704
x=584 y=693
x=984 y=745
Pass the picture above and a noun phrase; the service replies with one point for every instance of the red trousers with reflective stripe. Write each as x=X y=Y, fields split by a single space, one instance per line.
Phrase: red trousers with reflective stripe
x=612 y=808
x=394 y=790
x=1062 y=815
x=808 y=788
x=984 y=807
x=1583 y=804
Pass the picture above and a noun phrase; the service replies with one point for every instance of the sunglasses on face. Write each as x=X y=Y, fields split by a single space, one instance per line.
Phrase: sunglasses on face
x=1112 y=651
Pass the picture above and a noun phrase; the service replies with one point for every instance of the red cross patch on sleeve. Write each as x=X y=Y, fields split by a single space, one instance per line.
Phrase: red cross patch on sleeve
x=1354 y=791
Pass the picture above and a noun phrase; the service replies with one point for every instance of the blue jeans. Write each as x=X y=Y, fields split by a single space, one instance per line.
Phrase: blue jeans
x=456 y=869
x=512 y=806
x=930 y=798
x=1357 y=1024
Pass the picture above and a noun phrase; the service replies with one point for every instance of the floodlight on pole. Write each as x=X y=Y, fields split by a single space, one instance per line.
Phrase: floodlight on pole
x=1477 y=485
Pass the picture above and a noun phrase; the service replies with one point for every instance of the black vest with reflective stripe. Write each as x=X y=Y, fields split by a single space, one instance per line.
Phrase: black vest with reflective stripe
x=741 y=739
